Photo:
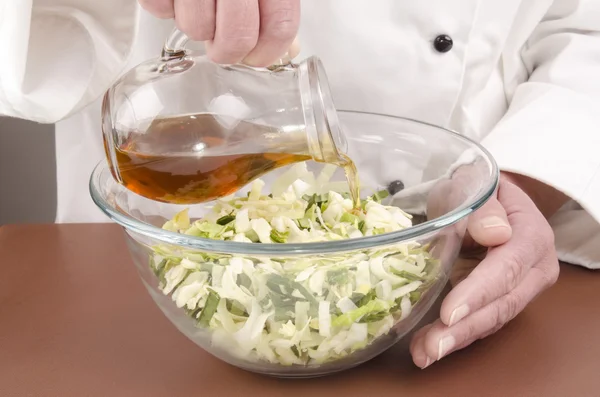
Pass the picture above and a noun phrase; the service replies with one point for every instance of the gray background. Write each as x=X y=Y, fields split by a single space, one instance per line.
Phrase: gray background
x=27 y=172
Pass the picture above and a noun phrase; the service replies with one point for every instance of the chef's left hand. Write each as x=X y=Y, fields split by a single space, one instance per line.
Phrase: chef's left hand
x=520 y=263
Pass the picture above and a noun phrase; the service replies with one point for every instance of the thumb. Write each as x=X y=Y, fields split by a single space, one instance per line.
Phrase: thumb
x=489 y=225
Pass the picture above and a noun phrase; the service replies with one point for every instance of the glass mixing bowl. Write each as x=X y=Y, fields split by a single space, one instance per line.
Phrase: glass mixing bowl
x=280 y=310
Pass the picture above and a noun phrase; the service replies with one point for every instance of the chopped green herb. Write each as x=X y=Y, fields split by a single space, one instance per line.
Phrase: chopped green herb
x=224 y=220
x=209 y=309
x=362 y=227
x=295 y=351
x=407 y=275
x=349 y=218
x=279 y=237
x=380 y=195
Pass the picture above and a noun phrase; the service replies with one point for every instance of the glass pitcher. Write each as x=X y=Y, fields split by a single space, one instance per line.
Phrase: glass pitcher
x=182 y=129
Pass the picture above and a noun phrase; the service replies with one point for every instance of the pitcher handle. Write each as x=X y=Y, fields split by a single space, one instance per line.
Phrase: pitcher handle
x=174 y=48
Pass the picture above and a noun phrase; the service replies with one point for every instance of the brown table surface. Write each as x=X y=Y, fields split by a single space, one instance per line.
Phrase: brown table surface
x=75 y=320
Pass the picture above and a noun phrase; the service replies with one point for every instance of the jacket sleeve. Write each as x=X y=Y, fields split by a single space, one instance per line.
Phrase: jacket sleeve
x=58 y=56
x=551 y=131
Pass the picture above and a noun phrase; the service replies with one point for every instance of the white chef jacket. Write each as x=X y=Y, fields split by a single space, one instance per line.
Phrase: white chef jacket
x=522 y=78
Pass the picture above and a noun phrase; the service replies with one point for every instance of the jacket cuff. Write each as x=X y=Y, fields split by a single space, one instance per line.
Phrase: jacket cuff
x=552 y=134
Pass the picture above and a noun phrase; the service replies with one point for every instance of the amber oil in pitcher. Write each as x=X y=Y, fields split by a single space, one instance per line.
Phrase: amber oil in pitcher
x=193 y=167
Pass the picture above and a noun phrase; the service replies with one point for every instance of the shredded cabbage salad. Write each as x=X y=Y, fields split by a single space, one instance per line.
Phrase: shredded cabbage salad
x=301 y=310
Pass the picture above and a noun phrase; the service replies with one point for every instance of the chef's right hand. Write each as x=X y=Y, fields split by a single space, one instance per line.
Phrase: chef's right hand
x=255 y=32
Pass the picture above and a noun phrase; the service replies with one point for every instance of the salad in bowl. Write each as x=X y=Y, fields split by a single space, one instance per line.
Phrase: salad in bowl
x=288 y=277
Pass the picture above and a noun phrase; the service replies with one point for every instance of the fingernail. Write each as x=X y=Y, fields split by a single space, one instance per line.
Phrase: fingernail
x=427 y=363
x=294 y=49
x=458 y=314
x=252 y=62
x=445 y=345
x=493 y=221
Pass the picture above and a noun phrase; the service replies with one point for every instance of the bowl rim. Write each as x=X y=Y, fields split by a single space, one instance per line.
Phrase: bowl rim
x=315 y=248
